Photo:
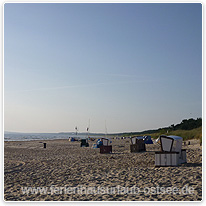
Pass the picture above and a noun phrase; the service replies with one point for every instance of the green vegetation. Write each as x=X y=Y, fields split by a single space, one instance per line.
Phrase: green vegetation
x=185 y=134
x=187 y=129
x=187 y=124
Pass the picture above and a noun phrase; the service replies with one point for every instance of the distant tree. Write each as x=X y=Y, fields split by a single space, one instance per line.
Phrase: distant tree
x=189 y=124
x=172 y=127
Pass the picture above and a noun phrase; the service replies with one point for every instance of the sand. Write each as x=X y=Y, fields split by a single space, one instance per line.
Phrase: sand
x=65 y=164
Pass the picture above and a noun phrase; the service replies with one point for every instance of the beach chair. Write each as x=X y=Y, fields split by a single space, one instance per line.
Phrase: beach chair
x=105 y=148
x=84 y=143
x=148 y=140
x=137 y=144
x=171 y=153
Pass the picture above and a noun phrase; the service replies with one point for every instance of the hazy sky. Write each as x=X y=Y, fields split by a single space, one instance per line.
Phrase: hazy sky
x=137 y=66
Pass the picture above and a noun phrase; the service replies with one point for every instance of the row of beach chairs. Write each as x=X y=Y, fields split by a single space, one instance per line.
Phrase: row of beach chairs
x=170 y=154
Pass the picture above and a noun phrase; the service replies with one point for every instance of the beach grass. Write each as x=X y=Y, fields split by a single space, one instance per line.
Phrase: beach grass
x=185 y=134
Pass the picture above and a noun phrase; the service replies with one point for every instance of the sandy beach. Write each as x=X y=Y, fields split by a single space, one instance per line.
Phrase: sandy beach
x=63 y=163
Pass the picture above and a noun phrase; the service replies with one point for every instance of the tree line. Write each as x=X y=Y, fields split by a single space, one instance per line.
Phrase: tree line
x=186 y=124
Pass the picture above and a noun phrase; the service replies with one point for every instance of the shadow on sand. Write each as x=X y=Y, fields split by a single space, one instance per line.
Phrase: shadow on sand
x=192 y=165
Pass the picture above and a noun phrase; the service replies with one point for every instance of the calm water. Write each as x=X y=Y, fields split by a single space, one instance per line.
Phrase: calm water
x=42 y=136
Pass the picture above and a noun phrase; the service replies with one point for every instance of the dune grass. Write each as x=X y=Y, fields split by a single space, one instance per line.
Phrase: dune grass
x=185 y=134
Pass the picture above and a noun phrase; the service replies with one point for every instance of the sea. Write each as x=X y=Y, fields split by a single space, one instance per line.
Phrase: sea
x=44 y=136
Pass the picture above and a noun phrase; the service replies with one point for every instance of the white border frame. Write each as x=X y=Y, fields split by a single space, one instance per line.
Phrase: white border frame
x=106 y=1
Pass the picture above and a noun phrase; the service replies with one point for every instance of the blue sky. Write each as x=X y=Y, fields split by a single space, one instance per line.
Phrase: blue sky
x=137 y=66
